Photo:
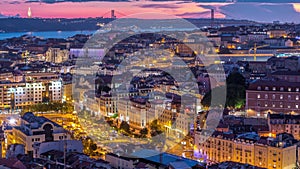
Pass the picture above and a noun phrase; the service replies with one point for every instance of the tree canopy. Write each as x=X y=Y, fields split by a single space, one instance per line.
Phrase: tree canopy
x=235 y=93
x=52 y=106
x=125 y=126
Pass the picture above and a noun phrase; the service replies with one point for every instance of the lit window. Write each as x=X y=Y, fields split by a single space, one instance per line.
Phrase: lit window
x=258 y=96
x=266 y=88
x=258 y=88
x=281 y=88
x=266 y=96
x=281 y=96
x=297 y=97
x=289 y=89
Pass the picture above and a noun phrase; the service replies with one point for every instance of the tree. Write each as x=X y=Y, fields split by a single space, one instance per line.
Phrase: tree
x=144 y=132
x=218 y=97
x=93 y=147
x=235 y=78
x=52 y=106
x=235 y=93
x=125 y=126
x=155 y=128
x=224 y=50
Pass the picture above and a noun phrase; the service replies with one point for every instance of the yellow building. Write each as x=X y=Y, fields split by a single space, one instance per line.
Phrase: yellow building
x=57 y=55
x=271 y=153
x=67 y=92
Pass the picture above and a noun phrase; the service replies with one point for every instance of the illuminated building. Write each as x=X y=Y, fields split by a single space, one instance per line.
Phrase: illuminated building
x=248 y=148
x=108 y=105
x=67 y=92
x=280 y=123
x=138 y=113
x=35 y=88
x=277 y=33
x=57 y=55
x=265 y=96
x=33 y=131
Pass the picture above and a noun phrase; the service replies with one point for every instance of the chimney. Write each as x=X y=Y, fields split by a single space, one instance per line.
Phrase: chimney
x=212 y=17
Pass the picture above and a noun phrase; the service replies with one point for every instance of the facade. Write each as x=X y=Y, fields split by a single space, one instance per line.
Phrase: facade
x=61 y=145
x=67 y=92
x=33 y=131
x=107 y=105
x=57 y=55
x=277 y=33
x=279 y=123
x=120 y=162
x=285 y=64
x=265 y=96
x=290 y=76
x=270 y=153
x=34 y=88
x=137 y=113
x=257 y=36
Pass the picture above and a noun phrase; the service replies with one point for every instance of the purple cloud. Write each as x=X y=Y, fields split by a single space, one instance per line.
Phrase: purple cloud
x=169 y=6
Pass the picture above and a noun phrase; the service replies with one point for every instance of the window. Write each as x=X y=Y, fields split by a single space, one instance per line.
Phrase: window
x=289 y=89
x=281 y=88
x=297 y=97
x=266 y=96
x=266 y=104
x=297 y=106
x=297 y=89
x=258 y=87
x=258 y=96
x=281 y=96
x=274 y=88
x=266 y=88
x=273 y=96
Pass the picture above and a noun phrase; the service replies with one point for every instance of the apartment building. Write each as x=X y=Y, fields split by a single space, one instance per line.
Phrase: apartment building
x=34 y=130
x=248 y=148
x=265 y=96
x=56 y=55
x=279 y=123
x=109 y=104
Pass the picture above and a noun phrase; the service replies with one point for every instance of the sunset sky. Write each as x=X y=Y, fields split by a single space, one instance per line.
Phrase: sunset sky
x=285 y=12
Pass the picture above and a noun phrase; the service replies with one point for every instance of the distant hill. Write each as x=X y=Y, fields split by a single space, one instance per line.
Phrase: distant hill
x=40 y=24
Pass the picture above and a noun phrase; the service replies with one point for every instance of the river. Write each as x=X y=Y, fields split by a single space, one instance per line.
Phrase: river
x=50 y=34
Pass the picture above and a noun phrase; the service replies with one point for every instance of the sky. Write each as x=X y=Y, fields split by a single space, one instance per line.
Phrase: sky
x=262 y=11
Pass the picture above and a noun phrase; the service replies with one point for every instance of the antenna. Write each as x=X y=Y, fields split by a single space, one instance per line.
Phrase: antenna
x=212 y=17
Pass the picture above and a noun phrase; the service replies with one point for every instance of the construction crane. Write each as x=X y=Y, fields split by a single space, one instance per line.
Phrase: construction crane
x=254 y=48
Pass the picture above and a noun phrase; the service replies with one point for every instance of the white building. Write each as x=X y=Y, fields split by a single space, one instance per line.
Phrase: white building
x=33 y=131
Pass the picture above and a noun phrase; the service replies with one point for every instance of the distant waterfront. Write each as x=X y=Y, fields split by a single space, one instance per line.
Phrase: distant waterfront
x=50 y=34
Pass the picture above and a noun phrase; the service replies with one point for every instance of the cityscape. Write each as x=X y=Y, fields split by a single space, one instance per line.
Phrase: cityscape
x=149 y=90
